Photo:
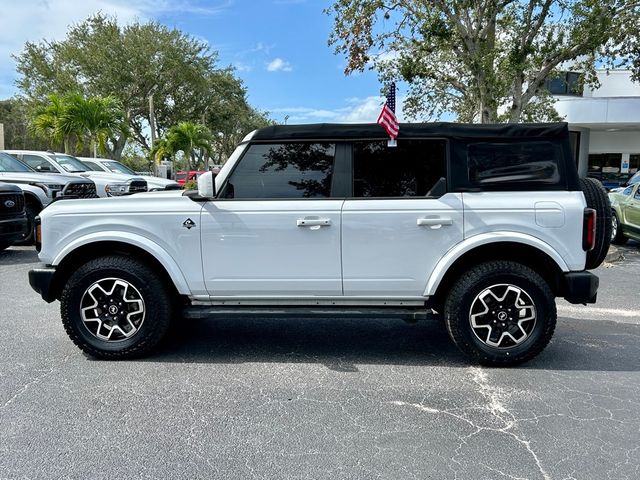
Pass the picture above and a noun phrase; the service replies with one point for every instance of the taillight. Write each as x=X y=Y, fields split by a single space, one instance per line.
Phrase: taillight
x=589 y=229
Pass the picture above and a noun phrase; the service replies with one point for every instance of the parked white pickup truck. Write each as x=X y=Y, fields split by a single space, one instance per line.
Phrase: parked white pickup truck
x=485 y=224
x=107 y=184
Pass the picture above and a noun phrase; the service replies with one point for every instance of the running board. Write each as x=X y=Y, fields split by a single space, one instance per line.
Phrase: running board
x=409 y=314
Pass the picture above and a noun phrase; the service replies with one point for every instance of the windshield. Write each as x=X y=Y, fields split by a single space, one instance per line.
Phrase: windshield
x=92 y=166
x=12 y=164
x=70 y=164
x=117 y=167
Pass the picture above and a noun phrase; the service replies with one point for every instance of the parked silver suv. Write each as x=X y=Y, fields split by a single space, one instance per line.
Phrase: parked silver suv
x=485 y=224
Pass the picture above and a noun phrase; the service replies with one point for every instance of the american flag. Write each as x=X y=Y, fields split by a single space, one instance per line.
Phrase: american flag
x=387 y=117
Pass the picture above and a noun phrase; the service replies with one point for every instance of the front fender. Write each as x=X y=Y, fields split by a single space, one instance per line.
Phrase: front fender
x=139 y=241
x=484 y=239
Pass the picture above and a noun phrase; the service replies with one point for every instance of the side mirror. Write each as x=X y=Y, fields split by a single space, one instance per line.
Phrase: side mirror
x=207 y=185
x=43 y=168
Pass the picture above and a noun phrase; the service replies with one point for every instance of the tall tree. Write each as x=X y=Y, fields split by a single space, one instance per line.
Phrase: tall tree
x=130 y=63
x=70 y=120
x=485 y=60
x=93 y=118
x=188 y=138
x=47 y=123
x=14 y=115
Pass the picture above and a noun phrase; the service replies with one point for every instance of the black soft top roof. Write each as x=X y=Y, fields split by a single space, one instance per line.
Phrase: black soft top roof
x=337 y=131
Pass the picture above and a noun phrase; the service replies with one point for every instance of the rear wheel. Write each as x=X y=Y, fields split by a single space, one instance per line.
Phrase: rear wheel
x=617 y=236
x=116 y=307
x=500 y=313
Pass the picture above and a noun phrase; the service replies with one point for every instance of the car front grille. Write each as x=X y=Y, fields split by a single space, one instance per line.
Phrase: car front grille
x=11 y=203
x=79 y=190
x=137 y=186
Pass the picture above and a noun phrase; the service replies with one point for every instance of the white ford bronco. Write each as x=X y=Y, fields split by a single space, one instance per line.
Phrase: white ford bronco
x=484 y=224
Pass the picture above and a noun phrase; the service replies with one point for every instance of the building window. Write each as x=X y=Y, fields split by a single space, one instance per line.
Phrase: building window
x=634 y=163
x=566 y=83
x=606 y=168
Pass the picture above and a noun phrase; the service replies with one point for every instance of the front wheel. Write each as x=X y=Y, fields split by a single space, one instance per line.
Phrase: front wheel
x=500 y=313
x=116 y=307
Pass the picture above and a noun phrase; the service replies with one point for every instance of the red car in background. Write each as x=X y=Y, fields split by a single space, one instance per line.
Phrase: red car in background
x=184 y=177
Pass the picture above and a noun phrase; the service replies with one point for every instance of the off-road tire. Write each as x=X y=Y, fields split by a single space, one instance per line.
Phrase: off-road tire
x=618 y=238
x=158 y=304
x=597 y=198
x=457 y=312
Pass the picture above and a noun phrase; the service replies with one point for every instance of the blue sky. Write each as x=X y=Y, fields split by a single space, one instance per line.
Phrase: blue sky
x=279 y=48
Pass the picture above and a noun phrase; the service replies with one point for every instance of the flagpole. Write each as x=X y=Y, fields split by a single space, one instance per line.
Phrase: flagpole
x=387 y=118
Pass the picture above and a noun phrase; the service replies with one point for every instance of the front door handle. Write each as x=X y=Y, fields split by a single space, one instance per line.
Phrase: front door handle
x=434 y=222
x=313 y=222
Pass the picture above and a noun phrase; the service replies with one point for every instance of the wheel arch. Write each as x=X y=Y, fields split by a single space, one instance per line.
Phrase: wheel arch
x=76 y=254
x=32 y=199
x=537 y=255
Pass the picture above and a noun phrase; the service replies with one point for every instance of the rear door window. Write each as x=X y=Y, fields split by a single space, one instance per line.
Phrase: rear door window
x=414 y=168
x=525 y=163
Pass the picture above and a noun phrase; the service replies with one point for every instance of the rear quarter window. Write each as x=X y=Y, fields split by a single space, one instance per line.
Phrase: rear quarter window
x=515 y=163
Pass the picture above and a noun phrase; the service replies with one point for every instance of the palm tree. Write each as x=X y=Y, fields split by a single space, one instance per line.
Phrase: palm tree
x=162 y=149
x=46 y=122
x=96 y=118
x=187 y=137
x=75 y=117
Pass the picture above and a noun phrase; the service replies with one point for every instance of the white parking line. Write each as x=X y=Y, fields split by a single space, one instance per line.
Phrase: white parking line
x=594 y=313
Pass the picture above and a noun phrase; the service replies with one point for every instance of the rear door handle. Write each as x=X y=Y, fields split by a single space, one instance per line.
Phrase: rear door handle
x=434 y=222
x=313 y=222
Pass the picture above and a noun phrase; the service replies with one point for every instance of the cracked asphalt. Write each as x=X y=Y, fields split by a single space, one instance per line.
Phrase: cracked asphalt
x=321 y=399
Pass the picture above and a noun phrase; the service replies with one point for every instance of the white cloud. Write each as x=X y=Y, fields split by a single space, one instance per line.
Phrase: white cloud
x=278 y=64
x=242 y=67
x=356 y=110
x=35 y=20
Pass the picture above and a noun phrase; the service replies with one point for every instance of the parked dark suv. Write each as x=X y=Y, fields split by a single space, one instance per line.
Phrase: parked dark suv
x=13 y=220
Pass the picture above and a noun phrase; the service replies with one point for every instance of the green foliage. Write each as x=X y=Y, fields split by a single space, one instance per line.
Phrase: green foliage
x=191 y=185
x=14 y=116
x=192 y=139
x=479 y=58
x=65 y=119
x=130 y=63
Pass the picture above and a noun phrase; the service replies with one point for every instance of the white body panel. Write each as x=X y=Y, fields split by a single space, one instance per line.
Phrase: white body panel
x=153 y=221
x=391 y=245
x=554 y=218
x=258 y=247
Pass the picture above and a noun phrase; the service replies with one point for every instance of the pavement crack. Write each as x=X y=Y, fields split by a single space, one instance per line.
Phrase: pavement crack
x=495 y=406
x=35 y=381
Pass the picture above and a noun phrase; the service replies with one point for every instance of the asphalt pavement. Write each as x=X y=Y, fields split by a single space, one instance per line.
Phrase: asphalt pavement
x=321 y=399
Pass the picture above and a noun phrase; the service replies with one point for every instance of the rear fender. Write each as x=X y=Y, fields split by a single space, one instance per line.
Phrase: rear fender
x=471 y=243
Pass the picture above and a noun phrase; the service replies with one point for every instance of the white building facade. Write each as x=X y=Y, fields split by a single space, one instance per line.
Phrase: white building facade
x=605 y=123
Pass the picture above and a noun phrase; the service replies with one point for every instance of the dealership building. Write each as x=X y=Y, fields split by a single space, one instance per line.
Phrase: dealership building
x=605 y=123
